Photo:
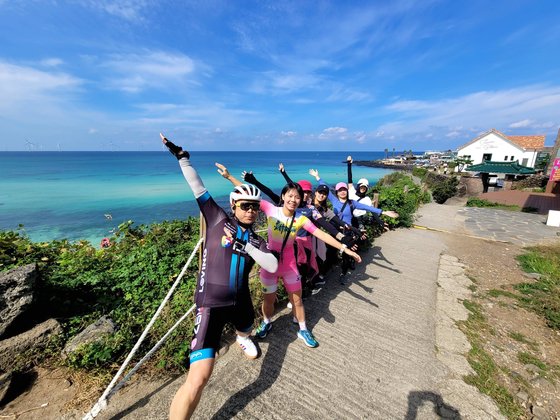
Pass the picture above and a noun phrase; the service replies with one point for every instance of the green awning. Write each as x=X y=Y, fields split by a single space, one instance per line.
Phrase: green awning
x=513 y=168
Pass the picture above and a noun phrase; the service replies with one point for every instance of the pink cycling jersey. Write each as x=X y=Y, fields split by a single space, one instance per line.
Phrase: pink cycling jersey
x=278 y=224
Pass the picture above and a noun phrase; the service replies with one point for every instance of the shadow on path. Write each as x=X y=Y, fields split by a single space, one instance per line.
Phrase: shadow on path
x=279 y=339
x=416 y=399
x=284 y=333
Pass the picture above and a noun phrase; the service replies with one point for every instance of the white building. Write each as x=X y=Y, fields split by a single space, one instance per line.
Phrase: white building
x=498 y=147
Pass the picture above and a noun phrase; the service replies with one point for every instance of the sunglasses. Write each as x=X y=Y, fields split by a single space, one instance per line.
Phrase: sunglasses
x=246 y=206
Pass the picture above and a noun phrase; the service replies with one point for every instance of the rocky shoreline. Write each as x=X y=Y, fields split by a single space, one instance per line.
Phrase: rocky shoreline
x=380 y=164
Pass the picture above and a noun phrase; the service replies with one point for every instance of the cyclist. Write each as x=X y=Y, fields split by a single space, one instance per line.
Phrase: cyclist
x=283 y=224
x=222 y=294
x=343 y=208
x=361 y=218
x=307 y=244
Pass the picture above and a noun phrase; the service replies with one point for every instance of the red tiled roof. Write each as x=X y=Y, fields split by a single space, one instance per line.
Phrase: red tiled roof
x=528 y=142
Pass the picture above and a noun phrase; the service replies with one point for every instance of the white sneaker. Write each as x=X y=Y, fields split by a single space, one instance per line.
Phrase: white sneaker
x=289 y=305
x=247 y=346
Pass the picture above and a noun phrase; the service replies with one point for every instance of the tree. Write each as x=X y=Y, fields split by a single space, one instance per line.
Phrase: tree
x=462 y=161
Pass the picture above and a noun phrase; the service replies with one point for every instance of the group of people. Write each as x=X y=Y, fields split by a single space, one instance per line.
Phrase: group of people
x=304 y=236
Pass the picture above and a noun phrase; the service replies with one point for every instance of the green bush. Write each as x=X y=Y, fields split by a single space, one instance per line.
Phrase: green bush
x=398 y=192
x=443 y=187
x=128 y=280
x=419 y=172
x=478 y=202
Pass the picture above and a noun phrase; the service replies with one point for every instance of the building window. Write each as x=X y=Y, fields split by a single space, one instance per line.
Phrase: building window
x=486 y=156
x=511 y=158
x=505 y=157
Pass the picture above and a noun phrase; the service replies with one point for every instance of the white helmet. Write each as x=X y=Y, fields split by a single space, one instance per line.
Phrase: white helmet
x=364 y=182
x=245 y=192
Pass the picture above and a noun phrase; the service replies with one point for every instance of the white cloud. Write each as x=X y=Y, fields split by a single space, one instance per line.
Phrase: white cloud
x=51 y=62
x=522 y=123
x=333 y=132
x=152 y=69
x=531 y=106
x=130 y=10
x=288 y=133
x=92 y=131
x=33 y=90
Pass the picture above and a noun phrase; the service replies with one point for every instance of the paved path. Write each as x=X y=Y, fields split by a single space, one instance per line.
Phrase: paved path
x=378 y=356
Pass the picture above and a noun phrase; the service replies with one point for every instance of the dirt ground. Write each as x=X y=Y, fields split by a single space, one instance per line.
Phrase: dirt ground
x=491 y=265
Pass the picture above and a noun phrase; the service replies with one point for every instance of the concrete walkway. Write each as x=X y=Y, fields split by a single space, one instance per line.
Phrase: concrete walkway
x=378 y=356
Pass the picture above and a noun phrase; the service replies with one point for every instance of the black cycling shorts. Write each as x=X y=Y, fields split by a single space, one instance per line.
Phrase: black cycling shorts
x=209 y=324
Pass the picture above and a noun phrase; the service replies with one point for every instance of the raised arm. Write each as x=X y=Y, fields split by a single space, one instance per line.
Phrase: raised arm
x=285 y=174
x=250 y=178
x=349 y=170
x=223 y=171
x=190 y=174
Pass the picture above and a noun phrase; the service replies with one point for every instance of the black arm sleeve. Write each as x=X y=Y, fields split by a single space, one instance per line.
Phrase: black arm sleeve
x=322 y=222
x=349 y=164
x=249 y=177
x=286 y=177
x=337 y=221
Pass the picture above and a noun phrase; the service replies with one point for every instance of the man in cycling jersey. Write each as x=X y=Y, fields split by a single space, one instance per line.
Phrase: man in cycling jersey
x=222 y=293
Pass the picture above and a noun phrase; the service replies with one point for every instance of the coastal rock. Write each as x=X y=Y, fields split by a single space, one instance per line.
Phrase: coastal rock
x=16 y=293
x=5 y=381
x=93 y=333
x=34 y=339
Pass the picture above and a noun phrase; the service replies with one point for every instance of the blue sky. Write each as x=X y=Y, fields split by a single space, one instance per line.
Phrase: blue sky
x=275 y=75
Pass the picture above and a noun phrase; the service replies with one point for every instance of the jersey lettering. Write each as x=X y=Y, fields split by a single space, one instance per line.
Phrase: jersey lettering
x=203 y=272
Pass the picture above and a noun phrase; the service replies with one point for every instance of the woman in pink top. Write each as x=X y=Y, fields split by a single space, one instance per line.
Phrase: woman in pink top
x=283 y=224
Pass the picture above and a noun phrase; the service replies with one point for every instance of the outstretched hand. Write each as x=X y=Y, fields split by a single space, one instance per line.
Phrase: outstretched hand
x=314 y=173
x=281 y=167
x=223 y=171
x=354 y=255
x=390 y=213
x=177 y=151
x=349 y=159
x=248 y=177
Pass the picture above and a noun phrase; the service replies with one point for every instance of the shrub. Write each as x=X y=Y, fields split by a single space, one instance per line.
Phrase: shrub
x=419 y=172
x=398 y=192
x=442 y=186
x=128 y=280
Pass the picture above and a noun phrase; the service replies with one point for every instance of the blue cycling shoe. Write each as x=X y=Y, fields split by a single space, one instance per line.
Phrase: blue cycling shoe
x=307 y=338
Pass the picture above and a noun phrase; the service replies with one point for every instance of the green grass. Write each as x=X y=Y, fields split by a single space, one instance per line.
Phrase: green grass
x=551 y=373
x=522 y=339
x=529 y=359
x=497 y=293
x=477 y=202
x=487 y=372
x=542 y=295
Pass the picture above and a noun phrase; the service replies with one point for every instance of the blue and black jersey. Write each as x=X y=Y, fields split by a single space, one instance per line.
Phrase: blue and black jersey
x=224 y=274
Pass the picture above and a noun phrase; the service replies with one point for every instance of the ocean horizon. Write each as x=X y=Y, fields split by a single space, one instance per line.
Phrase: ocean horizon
x=86 y=195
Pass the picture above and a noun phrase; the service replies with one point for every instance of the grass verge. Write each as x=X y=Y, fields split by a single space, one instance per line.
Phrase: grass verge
x=487 y=376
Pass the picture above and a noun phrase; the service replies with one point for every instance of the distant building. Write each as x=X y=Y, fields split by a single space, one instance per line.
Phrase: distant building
x=497 y=147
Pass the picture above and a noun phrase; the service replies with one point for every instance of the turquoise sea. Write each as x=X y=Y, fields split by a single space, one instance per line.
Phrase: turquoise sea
x=57 y=195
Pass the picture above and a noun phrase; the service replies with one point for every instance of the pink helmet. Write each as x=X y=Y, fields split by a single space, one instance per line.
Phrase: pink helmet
x=305 y=185
x=341 y=185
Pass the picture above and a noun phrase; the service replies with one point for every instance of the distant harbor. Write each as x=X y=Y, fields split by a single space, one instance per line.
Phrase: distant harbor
x=409 y=160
